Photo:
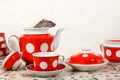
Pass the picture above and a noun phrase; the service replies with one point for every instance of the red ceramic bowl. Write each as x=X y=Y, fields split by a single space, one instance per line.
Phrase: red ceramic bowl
x=10 y=60
x=86 y=58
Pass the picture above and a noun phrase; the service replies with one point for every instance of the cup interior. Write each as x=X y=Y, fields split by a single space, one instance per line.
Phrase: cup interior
x=44 y=54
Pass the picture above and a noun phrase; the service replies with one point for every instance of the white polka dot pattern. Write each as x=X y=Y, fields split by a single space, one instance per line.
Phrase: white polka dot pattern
x=1 y=39
x=3 y=46
x=108 y=52
x=118 y=53
x=85 y=55
x=30 y=47
x=1 y=53
x=44 y=47
x=43 y=65
x=54 y=64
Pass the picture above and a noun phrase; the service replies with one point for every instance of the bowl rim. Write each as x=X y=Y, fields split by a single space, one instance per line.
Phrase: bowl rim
x=87 y=65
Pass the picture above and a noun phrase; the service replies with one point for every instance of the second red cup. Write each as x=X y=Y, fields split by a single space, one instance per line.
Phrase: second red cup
x=111 y=50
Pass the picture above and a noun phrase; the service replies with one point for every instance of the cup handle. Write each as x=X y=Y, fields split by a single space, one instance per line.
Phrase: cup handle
x=101 y=47
x=9 y=42
x=61 y=59
x=102 y=50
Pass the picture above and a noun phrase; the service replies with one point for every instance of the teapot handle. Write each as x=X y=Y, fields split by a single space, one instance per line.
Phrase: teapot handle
x=9 y=42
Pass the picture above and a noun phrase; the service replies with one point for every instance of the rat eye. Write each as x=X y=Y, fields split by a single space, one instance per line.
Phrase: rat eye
x=49 y=21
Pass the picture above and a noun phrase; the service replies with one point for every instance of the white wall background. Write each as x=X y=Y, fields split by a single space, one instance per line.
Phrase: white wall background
x=88 y=22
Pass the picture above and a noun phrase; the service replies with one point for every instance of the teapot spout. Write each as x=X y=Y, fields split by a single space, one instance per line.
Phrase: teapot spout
x=57 y=38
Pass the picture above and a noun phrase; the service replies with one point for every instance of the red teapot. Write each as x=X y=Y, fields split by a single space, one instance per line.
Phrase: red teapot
x=35 y=40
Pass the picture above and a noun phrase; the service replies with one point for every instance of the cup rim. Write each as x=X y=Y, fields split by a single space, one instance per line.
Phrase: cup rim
x=44 y=54
x=112 y=42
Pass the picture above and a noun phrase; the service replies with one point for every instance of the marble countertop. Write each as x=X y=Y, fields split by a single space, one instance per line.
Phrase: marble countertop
x=110 y=72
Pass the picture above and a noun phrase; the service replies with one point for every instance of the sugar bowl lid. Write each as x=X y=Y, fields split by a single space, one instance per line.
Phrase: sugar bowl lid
x=86 y=56
x=11 y=60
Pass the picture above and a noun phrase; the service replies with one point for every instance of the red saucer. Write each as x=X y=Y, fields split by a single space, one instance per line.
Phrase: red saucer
x=59 y=69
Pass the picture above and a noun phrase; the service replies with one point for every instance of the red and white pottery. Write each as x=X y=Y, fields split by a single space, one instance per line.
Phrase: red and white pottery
x=87 y=67
x=60 y=68
x=3 y=46
x=46 y=61
x=86 y=61
x=86 y=57
x=111 y=50
x=10 y=60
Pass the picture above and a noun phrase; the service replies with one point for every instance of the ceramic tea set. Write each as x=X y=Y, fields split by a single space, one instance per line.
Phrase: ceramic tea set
x=37 y=49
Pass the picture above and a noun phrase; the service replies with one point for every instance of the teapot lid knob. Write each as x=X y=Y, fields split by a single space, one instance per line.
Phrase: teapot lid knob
x=86 y=50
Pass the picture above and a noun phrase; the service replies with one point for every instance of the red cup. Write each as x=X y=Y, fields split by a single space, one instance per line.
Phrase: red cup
x=2 y=37
x=46 y=61
x=3 y=46
x=111 y=50
x=2 y=40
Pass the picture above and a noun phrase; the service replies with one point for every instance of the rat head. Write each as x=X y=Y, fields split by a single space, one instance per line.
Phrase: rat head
x=45 y=23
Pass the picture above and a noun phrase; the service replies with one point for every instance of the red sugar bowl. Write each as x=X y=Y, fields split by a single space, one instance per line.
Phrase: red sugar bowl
x=86 y=61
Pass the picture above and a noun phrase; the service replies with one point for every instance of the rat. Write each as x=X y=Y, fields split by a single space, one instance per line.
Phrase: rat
x=44 y=23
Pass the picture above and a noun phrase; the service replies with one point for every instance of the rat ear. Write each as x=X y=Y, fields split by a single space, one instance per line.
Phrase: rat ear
x=43 y=20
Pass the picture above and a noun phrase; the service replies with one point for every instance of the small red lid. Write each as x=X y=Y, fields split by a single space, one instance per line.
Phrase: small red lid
x=10 y=60
x=86 y=57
